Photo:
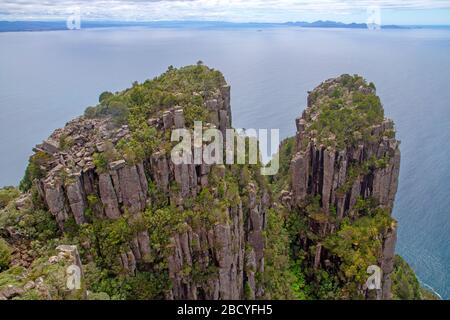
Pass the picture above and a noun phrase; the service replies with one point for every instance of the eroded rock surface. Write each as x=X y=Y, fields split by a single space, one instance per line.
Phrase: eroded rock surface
x=342 y=170
x=72 y=181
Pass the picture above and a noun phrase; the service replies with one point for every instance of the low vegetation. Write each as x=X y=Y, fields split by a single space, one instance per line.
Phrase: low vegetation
x=5 y=255
x=346 y=113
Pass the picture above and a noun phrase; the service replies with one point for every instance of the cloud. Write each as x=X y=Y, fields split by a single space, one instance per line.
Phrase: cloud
x=227 y=10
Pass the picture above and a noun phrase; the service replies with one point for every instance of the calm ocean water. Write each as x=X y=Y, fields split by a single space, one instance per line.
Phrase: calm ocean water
x=47 y=78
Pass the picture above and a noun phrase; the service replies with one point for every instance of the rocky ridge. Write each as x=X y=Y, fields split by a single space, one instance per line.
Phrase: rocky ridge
x=365 y=168
x=72 y=181
x=200 y=230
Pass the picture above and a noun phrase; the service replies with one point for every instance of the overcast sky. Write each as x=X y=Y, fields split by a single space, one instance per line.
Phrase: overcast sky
x=392 y=11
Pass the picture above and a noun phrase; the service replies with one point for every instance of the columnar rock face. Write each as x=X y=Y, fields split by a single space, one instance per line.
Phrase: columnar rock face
x=363 y=165
x=227 y=243
x=387 y=263
x=231 y=252
x=346 y=159
x=323 y=170
x=236 y=252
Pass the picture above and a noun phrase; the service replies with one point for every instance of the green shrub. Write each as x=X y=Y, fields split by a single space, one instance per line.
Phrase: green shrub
x=5 y=255
x=65 y=142
x=104 y=96
x=147 y=285
x=143 y=142
x=7 y=194
x=281 y=180
x=115 y=287
x=13 y=276
x=405 y=285
x=35 y=224
x=100 y=162
x=108 y=239
x=34 y=170
x=39 y=225
x=279 y=281
x=98 y=296
x=325 y=286
x=358 y=245
x=195 y=113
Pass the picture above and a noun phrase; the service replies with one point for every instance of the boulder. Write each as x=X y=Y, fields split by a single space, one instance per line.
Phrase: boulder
x=116 y=165
x=50 y=146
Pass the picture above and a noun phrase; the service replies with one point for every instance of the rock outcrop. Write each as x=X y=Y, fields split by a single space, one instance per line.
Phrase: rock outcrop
x=59 y=277
x=364 y=164
x=199 y=231
x=73 y=185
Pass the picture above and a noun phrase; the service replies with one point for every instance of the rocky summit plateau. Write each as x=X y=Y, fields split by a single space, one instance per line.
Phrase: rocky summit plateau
x=103 y=195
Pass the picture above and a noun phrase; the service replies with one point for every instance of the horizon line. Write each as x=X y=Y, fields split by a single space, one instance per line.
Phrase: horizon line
x=219 y=21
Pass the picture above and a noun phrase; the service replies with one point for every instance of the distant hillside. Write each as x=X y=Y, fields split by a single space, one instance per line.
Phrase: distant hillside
x=10 y=26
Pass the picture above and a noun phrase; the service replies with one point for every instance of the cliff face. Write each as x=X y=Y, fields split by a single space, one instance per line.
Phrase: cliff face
x=344 y=164
x=106 y=185
x=226 y=254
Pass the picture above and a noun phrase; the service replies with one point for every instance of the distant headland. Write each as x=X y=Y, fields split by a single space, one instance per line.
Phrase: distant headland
x=14 y=26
